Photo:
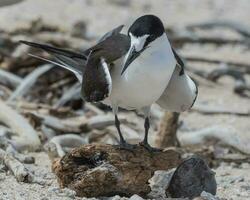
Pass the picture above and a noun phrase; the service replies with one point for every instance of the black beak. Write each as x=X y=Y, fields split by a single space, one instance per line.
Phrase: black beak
x=133 y=54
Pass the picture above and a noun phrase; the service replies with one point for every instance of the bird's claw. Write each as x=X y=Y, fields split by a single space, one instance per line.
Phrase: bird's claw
x=149 y=148
x=126 y=146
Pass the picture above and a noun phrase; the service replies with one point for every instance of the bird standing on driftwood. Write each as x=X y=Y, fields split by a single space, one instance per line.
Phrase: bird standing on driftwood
x=130 y=71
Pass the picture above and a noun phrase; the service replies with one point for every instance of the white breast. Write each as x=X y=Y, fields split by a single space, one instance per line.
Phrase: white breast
x=145 y=79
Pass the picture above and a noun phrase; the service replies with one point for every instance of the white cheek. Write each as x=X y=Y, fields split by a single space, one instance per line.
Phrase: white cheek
x=138 y=42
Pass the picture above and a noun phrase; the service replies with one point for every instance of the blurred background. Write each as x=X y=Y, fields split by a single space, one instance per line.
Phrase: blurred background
x=212 y=37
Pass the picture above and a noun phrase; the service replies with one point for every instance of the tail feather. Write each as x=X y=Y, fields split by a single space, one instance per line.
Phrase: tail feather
x=78 y=74
x=67 y=59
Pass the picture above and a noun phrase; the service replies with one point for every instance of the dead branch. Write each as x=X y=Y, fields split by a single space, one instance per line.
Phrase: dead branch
x=59 y=125
x=111 y=170
x=20 y=172
x=21 y=157
x=223 y=134
x=238 y=27
x=209 y=110
x=26 y=107
x=9 y=79
x=74 y=124
x=166 y=136
x=179 y=40
x=72 y=93
x=59 y=145
x=27 y=137
x=102 y=121
x=245 y=66
x=94 y=109
x=28 y=82
x=240 y=82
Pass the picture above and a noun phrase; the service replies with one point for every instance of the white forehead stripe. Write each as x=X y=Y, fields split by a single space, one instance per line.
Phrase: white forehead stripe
x=138 y=42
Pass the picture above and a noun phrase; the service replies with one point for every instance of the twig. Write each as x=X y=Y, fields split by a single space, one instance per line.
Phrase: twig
x=240 y=83
x=59 y=125
x=245 y=66
x=225 y=135
x=208 y=110
x=101 y=121
x=20 y=172
x=9 y=79
x=21 y=157
x=72 y=93
x=180 y=40
x=28 y=82
x=240 y=28
x=56 y=146
x=27 y=136
x=93 y=108
x=74 y=124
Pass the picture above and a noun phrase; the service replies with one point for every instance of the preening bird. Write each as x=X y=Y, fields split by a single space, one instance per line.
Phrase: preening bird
x=130 y=71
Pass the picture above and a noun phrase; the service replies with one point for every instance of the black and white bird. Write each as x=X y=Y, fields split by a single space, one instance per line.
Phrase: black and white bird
x=130 y=71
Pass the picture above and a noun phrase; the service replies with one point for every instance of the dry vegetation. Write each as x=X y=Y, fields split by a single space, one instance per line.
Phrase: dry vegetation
x=42 y=116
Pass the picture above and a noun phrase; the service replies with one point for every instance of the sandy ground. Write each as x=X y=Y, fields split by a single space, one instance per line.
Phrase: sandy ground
x=100 y=16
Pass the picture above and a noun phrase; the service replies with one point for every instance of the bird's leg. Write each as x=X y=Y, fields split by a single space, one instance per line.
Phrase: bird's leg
x=123 y=144
x=145 y=143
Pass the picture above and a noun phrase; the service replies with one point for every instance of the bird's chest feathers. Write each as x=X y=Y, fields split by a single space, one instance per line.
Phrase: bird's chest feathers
x=151 y=66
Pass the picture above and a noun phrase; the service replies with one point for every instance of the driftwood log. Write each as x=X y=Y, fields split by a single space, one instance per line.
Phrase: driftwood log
x=167 y=133
x=104 y=170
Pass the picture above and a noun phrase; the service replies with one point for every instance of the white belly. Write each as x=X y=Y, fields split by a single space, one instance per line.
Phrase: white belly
x=144 y=80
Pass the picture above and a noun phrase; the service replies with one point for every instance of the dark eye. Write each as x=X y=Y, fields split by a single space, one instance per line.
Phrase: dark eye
x=148 y=40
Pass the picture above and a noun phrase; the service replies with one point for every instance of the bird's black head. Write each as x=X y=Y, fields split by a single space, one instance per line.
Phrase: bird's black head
x=142 y=32
x=147 y=25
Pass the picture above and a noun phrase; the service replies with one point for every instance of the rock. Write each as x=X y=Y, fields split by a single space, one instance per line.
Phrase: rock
x=159 y=182
x=135 y=197
x=111 y=170
x=208 y=196
x=191 y=178
x=65 y=192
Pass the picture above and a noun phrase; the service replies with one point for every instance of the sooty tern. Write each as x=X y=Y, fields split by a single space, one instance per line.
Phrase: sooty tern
x=130 y=71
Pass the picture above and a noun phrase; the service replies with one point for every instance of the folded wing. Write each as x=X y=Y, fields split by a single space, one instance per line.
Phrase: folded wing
x=91 y=67
x=181 y=91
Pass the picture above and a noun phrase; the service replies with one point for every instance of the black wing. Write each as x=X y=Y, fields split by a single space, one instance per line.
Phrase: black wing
x=96 y=79
x=115 y=31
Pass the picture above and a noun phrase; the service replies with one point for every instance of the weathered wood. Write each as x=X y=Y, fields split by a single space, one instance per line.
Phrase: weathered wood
x=9 y=78
x=26 y=137
x=212 y=110
x=20 y=172
x=28 y=82
x=104 y=170
x=167 y=133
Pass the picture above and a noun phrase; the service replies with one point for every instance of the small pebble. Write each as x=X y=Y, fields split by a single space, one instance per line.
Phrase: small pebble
x=135 y=197
x=208 y=196
x=245 y=166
